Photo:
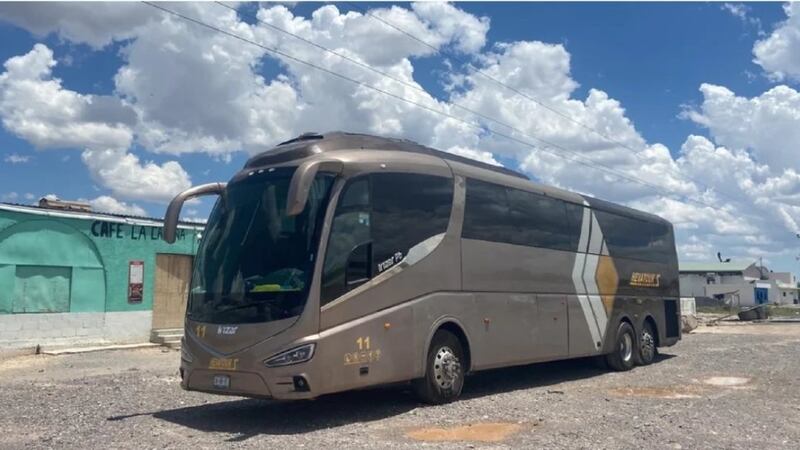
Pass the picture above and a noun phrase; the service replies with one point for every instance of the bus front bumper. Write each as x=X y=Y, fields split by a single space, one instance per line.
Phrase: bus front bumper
x=246 y=384
x=284 y=383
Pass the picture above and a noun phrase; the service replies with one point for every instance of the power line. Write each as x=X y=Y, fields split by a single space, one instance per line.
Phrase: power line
x=590 y=164
x=452 y=103
x=528 y=97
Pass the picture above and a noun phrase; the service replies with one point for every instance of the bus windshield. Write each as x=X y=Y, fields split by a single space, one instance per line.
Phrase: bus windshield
x=255 y=263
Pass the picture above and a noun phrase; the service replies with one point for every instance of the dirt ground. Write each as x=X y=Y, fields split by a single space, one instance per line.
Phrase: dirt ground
x=730 y=386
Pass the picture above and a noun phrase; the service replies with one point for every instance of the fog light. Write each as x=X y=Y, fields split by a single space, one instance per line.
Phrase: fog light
x=293 y=356
x=300 y=384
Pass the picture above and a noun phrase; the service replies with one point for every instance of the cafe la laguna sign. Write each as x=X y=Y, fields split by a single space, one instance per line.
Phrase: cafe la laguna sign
x=116 y=230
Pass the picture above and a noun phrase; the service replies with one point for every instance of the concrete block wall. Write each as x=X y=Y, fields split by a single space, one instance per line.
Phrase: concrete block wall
x=55 y=329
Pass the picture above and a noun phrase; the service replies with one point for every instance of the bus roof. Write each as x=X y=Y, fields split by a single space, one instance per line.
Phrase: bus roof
x=309 y=144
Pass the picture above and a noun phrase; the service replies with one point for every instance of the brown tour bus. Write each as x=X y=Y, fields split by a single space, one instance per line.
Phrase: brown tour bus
x=341 y=261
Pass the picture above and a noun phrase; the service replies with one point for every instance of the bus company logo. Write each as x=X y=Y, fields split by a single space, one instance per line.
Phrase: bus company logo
x=394 y=259
x=645 y=279
x=200 y=331
x=226 y=330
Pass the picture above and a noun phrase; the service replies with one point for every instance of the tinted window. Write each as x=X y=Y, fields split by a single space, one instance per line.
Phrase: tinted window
x=540 y=221
x=406 y=210
x=392 y=211
x=350 y=228
x=627 y=237
x=500 y=214
x=486 y=213
x=661 y=243
x=574 y=222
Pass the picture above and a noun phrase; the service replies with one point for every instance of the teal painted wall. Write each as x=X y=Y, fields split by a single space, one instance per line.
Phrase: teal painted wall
x=98 y=252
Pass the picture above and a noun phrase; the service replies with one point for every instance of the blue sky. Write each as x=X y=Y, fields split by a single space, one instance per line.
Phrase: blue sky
x=651 y=58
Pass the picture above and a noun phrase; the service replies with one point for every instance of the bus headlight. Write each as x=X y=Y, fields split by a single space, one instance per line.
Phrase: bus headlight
x=293 y=356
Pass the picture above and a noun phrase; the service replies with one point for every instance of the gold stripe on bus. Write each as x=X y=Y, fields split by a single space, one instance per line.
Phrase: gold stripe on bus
x=607 y=282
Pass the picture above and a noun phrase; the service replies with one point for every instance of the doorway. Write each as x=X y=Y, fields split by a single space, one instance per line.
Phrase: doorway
x=171 y=289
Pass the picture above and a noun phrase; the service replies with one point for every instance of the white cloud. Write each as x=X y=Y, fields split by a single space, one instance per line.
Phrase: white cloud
x=93 y=23
x=467 y=32
x=742 y=12
x=128 y=177
x=107 y=204
x=779 y=53
x=35 y=106
x=477 y=155
x=185 y=89
x=9 y=196
x=15 y=158
x=763 y=125
x=737 y=9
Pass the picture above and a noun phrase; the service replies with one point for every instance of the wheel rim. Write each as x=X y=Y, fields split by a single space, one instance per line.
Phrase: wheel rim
x=626 y=347
x=648 y=346
x=446 y=368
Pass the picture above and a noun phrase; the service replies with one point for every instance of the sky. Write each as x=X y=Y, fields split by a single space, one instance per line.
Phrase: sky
x=686 y=110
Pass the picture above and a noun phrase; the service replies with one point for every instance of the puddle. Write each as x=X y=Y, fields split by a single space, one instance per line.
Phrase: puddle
x=477 y=432
x=668 y=392
x=726 y=381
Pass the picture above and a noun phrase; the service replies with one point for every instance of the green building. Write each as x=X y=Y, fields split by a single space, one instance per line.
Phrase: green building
x=70 y=276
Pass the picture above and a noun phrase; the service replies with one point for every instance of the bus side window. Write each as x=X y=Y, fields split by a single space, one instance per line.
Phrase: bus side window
x=486 y=214
x=574 y=223
x=407 y=209
x=350 y=229
x=391 y=211
x=539 y=221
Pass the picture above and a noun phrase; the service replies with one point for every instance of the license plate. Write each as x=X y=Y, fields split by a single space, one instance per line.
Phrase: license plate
x=222 y=381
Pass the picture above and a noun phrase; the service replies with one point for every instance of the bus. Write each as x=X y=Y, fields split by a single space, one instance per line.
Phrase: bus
x=343 y=261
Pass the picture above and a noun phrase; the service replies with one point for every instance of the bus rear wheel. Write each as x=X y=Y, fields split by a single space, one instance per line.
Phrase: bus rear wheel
x=625 y=347
x=647 y=345
x=444 y=371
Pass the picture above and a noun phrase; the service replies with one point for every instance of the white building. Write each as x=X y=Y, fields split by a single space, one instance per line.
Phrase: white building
x=738 y=283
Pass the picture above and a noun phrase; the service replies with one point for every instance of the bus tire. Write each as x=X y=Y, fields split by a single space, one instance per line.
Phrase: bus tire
x=625 y=347
x=647 y=345
x=444 y=371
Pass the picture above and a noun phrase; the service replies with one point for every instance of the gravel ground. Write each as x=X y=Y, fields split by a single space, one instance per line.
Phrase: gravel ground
x=726 y=387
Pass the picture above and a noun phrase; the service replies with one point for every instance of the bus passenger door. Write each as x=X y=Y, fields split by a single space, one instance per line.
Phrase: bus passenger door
x=552 y=332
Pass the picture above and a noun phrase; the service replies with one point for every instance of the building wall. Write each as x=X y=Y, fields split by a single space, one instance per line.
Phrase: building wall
x=695 y=284
x=73 y=275
x=27 y=330
x=692 y=285
x=788 y=297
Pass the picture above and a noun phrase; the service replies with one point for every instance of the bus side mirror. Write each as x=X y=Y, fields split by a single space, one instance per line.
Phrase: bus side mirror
x=173 y=213
x=359 y=266
x=301 y=183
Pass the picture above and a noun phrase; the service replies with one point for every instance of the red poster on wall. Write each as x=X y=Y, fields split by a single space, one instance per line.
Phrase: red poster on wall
x=135 y=281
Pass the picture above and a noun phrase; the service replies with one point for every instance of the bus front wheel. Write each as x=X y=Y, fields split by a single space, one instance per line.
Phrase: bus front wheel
x=625 y=347
x=444 y=371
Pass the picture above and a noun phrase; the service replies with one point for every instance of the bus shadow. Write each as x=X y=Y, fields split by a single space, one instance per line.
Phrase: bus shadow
x=247 y=418
x=539 y=375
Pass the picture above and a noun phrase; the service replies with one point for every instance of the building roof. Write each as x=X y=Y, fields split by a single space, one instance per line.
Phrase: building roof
x=93 y=215
x=714 y=266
